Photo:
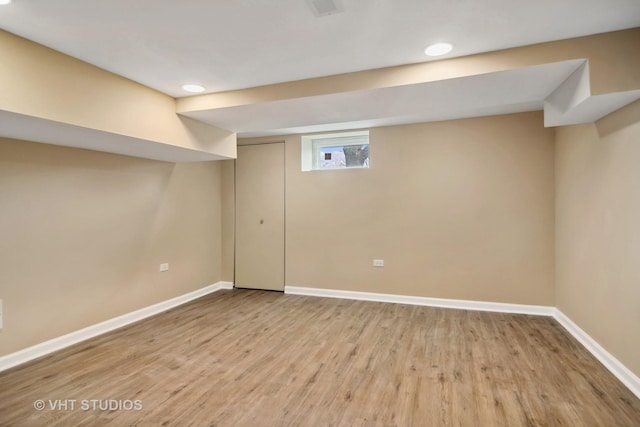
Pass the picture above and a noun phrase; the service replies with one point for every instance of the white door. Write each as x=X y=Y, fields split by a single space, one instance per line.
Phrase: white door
x=260 y=217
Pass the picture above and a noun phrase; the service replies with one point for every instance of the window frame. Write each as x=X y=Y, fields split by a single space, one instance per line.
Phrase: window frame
x=311 y=146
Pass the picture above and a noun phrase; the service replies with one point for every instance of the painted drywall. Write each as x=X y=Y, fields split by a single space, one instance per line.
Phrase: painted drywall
x=459 y=209
x=228 y=219
x=39 y=82
x=598 y=232
x=613 y=65
x=83 y=235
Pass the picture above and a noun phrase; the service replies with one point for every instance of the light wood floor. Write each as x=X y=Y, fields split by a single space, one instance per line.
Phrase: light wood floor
x=252 y=358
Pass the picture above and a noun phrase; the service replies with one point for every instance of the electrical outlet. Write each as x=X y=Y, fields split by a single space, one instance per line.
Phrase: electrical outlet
x=164 y=266
x=378 y=263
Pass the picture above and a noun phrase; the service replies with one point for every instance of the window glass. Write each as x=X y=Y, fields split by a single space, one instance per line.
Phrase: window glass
x=335 y=151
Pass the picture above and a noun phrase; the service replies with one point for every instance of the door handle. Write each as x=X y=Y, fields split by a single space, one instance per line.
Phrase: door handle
x=262 y=221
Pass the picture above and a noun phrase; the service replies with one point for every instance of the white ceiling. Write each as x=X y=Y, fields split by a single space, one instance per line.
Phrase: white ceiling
x=512 y=91
x=27 y=128
x=234 y=44
x=231 y=44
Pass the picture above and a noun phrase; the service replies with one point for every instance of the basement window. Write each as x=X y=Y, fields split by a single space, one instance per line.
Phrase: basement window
x=345 y=150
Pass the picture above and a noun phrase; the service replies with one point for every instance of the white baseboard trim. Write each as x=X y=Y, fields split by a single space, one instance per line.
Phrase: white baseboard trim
x=539 y=310
x=42 y=349
x=628 y=378
x=616 y=367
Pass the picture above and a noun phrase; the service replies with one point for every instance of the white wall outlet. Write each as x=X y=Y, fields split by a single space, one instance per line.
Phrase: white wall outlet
x=378 y=263
x=164 y=266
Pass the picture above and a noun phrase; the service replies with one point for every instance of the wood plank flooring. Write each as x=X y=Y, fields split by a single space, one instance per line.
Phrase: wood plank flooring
x=254 y=358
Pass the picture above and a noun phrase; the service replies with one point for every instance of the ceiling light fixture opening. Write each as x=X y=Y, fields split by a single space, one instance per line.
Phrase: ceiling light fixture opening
x=190 y=87
x=5 y=1
x=438 y=49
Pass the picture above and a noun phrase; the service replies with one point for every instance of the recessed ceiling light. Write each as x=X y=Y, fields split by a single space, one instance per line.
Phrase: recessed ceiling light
x=438 y=49
x=5 y=1
x=190 y=87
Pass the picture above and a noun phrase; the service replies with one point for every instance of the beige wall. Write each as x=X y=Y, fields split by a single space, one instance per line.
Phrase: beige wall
x=598 y=231
x=459 y=209
x=228 y=219
x=42 y=83
x=83 y=234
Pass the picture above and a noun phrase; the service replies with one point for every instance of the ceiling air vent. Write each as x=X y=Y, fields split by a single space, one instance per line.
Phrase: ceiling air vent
x=325 y=7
